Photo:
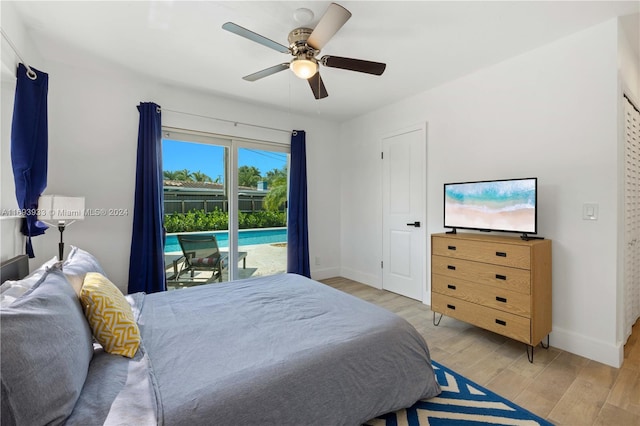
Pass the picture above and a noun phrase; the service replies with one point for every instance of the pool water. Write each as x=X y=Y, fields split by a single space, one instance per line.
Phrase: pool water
x=246 y=237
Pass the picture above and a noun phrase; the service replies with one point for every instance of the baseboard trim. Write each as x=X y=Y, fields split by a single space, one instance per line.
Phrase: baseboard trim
x=368 y=279
x=597 y=350
x=324 y=273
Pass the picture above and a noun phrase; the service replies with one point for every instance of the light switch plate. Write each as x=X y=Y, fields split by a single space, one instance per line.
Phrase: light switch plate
x=590 y=211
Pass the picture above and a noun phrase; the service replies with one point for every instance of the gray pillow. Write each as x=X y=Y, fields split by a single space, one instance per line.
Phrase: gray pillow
x=10 y=290
x=45 y=353
x=79 y=262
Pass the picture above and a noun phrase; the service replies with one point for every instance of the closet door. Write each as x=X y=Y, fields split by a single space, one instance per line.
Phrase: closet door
x=632 y=216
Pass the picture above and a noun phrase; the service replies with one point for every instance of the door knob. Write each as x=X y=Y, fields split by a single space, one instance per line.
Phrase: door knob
x=416 y=224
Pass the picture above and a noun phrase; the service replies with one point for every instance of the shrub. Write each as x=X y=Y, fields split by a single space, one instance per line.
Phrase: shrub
x=198 y=220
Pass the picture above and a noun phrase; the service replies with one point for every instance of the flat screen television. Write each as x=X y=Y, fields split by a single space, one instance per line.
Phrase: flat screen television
x=508 y=205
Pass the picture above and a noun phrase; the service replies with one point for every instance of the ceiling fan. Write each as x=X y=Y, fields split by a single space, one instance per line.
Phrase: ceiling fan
x=305 y=45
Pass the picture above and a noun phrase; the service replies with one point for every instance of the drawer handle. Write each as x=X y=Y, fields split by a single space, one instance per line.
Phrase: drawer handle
x=451 y=247
x=501 y=322
x=501 y=277
x=451 y=286
x=453 y=268
x=452 y=307
x=501 y=254
x=501 y=299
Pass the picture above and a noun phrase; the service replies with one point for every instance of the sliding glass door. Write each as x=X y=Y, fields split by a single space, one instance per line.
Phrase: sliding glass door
x=224 y=208
x=262 y=216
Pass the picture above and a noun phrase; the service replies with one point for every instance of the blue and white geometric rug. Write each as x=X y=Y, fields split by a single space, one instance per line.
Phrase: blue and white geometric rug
x=461 y=402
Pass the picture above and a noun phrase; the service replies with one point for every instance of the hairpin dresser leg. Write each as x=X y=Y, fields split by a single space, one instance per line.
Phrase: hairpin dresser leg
x=530 y=353
x=439 y=319
x=542 y=344
x=529 y=347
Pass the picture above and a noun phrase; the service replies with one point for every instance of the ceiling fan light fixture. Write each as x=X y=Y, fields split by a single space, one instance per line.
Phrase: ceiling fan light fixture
x=304 y=68
x=305 y=45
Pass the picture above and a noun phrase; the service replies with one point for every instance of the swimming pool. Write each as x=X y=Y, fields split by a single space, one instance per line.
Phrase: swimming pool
x=246 y=237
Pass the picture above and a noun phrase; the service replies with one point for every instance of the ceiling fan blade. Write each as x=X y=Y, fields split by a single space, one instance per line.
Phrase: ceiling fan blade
x=332 y=20
x=317 y=86
x=266 y=72
x=243 y=32
x=376 y=68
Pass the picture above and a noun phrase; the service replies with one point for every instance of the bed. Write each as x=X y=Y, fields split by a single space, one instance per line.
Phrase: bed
x=277 y=350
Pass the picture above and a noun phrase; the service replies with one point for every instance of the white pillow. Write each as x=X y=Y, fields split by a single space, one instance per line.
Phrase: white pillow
x=10 y=290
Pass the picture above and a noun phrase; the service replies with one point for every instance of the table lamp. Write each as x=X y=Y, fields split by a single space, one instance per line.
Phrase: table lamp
x=60 y=209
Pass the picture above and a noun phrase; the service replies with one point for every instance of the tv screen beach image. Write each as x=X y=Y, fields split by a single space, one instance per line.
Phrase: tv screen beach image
x=497 y=205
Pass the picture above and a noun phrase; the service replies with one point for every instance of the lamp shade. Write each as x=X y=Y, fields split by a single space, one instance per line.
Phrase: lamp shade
x=60 y=208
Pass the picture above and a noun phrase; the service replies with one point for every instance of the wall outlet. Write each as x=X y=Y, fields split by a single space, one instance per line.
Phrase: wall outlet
x=317 y=261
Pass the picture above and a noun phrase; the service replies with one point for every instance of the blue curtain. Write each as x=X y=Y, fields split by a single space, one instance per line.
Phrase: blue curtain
x=297 y=223
x=146 y=262
x=29 y=147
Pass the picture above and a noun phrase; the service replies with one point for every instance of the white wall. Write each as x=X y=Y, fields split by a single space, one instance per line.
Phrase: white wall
x=93 y=125
x=11 y=241
x=549 y=113
x=322 y=148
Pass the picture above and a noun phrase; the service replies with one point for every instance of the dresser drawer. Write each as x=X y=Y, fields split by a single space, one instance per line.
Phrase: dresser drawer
x=515 y=256
x=482 y=273
x=504 y=323
x=493 y=297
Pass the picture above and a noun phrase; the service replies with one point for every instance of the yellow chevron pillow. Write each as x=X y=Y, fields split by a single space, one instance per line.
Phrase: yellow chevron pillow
x=109 y=315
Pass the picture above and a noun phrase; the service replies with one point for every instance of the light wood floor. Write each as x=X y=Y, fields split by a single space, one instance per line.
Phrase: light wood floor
x=565 y=389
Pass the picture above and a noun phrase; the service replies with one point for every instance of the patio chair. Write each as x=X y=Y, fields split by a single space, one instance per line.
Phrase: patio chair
x=201 y=254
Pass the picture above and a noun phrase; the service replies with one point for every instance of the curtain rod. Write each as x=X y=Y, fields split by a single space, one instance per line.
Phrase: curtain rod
x=235 y=123
x=32 y=75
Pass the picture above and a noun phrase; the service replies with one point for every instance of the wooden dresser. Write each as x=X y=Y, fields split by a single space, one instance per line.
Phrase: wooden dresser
x=502 y=284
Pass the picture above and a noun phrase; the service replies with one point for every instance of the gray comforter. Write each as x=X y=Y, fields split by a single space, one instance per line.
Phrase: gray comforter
x=279 y=350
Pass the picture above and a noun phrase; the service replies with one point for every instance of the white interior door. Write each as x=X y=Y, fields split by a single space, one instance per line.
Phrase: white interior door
x=404 y=181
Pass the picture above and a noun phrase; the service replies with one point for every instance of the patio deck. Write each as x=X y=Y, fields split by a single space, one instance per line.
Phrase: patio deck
x=261 y=259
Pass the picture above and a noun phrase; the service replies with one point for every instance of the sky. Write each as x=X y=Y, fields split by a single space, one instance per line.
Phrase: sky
x=209 y=159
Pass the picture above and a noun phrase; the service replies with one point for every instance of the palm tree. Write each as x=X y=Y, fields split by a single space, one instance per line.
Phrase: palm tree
x=274 y=174
x=248 y=176
x=277 y=195
x=184 y=175
x=201 y=177
x=170 y=175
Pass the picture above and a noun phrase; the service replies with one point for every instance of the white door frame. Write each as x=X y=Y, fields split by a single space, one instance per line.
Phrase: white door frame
x=420 y=127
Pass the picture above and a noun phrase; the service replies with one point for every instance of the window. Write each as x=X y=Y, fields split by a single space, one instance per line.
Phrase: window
x=233 y=189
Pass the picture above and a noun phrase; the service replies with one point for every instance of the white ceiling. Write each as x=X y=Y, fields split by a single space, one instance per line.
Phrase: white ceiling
x=423 y=43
